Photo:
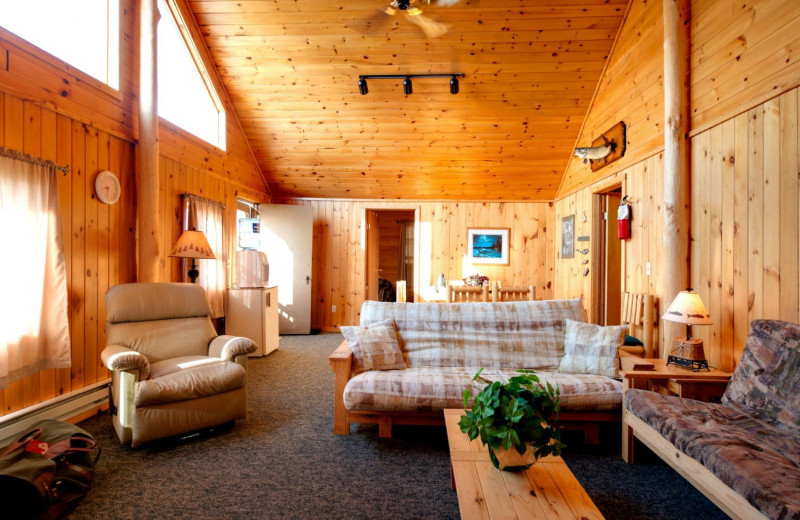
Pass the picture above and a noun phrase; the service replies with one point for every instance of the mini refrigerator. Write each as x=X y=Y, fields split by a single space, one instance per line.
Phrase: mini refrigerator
x=253 y=313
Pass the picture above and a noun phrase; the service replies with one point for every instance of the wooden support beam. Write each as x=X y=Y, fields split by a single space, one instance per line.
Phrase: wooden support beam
x=151 y=259
x=677 y=216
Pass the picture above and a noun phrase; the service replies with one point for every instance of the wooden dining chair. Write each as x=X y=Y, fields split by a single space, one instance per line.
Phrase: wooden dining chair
x=466 y=294
x=639 y=311
x=512 y=293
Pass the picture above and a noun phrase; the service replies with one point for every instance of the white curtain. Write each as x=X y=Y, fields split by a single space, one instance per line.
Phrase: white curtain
x=34 y=324
x=206 y=216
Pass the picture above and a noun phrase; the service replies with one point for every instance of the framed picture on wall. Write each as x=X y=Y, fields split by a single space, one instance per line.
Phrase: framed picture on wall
x=568 y=237
x=487 y=246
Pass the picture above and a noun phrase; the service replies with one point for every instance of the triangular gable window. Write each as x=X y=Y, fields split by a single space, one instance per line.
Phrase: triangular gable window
x=186 y=96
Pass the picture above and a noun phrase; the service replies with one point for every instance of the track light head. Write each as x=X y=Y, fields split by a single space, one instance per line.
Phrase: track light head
x=407 y=86
x=403 y=4
x=362 y=86
x=454 y=85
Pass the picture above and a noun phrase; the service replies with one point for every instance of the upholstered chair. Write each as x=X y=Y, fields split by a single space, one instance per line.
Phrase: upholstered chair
x=170 y=372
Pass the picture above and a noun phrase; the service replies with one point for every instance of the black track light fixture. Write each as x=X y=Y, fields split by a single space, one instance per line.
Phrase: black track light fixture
x=407 y=88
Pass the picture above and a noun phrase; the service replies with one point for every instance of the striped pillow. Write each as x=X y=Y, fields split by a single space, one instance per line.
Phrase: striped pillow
x=591 y=349
x=374 y=346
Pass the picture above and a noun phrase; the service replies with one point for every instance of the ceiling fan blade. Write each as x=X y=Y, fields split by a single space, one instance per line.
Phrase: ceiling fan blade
x=429 y=26
x=446 y=3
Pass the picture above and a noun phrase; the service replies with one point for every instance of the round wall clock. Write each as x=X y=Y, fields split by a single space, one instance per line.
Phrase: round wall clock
x=107 y=187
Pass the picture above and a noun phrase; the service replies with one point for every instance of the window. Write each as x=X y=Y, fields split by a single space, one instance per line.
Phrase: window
x=84 y=34
x=185 y=94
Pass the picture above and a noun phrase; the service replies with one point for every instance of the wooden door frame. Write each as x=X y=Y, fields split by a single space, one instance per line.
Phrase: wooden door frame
x=417 y=212
x=599 y=251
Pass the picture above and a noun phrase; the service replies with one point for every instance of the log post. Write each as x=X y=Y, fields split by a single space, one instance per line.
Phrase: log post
x=677 y=193
x=150 y=258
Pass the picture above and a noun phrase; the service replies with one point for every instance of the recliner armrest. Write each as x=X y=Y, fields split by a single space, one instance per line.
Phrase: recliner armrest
x=228 y=347
x=118 y=357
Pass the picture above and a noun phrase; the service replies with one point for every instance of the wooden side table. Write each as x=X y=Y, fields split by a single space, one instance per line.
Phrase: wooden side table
x=703 y=386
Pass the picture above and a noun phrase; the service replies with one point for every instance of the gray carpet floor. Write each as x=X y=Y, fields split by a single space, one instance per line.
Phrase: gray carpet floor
x=284 y=462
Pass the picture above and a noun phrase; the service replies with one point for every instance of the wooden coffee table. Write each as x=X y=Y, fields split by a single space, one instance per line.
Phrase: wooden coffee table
x=547 y=490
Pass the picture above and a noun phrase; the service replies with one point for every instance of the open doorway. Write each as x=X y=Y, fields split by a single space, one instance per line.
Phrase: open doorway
x=390 y=257
x=607 y=284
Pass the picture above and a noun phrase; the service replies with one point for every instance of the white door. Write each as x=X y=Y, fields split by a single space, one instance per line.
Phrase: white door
x=286 y=239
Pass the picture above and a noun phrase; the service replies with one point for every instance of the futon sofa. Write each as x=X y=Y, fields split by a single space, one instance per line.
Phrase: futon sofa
x=442 y=347
x=744 y=453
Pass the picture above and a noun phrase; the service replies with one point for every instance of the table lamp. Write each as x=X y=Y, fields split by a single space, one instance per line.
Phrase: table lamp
x=688 y=352
x=192 y=244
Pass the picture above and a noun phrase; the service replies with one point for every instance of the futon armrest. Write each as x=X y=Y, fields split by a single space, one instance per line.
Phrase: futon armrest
x=120 y=358
x=228 y=347
x=341 y=362
x=341 y=354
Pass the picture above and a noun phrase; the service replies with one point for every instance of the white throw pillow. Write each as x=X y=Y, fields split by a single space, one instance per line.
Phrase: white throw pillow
x=591 y=349
x=375 y=347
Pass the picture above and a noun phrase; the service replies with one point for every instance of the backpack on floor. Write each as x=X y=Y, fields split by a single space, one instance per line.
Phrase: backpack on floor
x=46 y=470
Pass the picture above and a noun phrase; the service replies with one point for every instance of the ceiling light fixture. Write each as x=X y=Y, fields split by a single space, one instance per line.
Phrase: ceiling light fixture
x=407 y=88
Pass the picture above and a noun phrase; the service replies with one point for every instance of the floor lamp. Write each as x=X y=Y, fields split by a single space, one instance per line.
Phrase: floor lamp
x=192 y=244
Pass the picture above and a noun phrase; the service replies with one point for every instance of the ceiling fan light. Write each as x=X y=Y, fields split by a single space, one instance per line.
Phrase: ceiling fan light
x=454 y=85
x=362 y=86
x=407 y=86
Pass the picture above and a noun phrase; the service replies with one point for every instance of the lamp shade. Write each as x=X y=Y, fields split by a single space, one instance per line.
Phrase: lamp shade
x=192 y=244
x=688 y=308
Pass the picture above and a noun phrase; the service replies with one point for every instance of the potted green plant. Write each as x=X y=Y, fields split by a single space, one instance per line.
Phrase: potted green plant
x=515 y=420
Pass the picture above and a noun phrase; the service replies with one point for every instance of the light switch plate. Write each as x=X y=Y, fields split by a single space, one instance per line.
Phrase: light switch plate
x=649 y=270
x=333 y=308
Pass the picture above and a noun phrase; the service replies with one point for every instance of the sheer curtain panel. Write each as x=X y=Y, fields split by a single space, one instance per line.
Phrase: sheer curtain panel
x=34 y=326
x=206 y=216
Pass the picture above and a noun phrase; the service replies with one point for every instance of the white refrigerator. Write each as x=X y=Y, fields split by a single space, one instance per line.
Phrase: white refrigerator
x=253 y=313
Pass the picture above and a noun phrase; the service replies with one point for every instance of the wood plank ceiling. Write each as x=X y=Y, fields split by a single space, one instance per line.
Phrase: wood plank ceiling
x=291 y=69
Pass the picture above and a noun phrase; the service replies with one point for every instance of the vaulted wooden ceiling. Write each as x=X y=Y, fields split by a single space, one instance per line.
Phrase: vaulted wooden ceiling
x=291 y=69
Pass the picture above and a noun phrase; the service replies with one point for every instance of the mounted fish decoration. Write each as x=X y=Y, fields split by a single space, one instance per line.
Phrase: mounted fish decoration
x=595 y=153
x=606 y=149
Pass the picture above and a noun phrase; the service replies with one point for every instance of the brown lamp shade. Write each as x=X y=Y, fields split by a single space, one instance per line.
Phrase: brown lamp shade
x=192 y=244
x=688 y=308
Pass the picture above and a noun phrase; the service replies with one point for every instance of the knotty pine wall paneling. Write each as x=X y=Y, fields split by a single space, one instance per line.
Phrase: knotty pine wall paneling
x=630 y=90
x=743 y=54
x=98 y=238
x=745 y=223
x=642 y=183
x=338 y=252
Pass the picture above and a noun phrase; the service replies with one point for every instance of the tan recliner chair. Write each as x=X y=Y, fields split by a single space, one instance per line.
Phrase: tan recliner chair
x=170 y=372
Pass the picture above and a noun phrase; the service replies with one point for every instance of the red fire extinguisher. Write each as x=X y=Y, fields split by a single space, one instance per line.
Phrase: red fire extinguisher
x=624 y=219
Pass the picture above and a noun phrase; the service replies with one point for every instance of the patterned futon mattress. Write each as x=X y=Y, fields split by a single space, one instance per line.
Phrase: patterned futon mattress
x=759 y=461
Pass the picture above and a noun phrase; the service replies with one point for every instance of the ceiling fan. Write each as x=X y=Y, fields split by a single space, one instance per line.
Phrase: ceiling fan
x=413 y=12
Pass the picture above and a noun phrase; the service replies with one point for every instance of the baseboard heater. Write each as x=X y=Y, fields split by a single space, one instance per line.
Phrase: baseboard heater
x=62 y=407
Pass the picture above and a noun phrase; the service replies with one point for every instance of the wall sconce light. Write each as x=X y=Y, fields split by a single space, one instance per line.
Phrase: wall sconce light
x=407 y=88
